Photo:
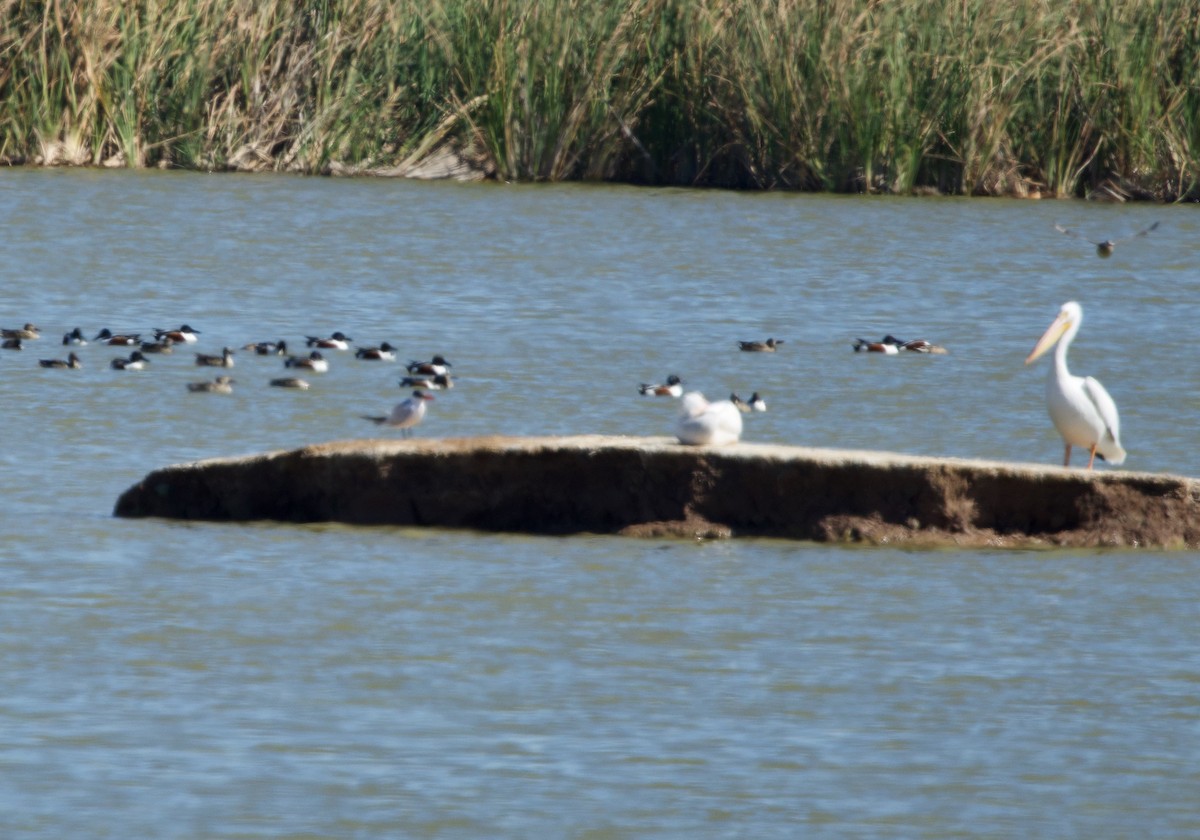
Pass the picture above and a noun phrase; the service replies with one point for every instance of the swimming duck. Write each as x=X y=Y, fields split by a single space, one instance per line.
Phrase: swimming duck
x=220 y=385
x=405 y=415
x=183 y=335
x=290 y=382
x=224 y=360
x=437 y=366
x=673 y=387
x=314 y=361
x=337 y=341
x=118 y=339
x=268 y=348
x=74 y=337
x=920 y=345
x=136 y=361
x=29 y=331
x=12 y=344
x=72 y=361
x=441 y=382
x=889 y=346
x=703 y=423
x=755 y=403
x=1105 y=247
x=767 y=346
x=164 y=345
x=384 y=352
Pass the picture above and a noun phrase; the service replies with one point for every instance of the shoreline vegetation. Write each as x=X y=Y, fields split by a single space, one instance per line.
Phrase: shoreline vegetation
x=1096 y=99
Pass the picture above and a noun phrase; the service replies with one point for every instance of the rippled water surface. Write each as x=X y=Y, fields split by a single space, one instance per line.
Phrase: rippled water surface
x=196 y=680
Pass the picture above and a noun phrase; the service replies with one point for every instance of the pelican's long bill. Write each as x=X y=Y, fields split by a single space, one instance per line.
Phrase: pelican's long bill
x=1049 y=338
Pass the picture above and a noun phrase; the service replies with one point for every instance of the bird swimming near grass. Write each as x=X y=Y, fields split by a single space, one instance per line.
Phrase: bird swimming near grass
x=1105 y=247
x=1083 y=412
x=673 y=387
x=703 y=423
x=767 y=346
x=406 y=414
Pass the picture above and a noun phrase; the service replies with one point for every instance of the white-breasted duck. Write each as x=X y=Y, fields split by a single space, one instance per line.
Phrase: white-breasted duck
x=437 y=366
x=136 y=361
x=314 y=361
x=337 y=341
x=118 y=339
x=384 y=353
x=183 y=335
x=673 y=387
x=74 y=337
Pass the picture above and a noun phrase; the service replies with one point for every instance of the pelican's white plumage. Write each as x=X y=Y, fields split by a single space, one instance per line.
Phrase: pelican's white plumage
x=703 y=423
x=1082 y=411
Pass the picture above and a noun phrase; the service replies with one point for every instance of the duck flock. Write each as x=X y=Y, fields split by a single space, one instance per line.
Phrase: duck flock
x=138 y=349
x=1082 y=411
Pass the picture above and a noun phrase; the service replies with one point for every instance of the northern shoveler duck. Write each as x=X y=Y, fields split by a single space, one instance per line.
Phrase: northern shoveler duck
x=337 y=341
x=703 y=423
x=405 y=415
x=72 y=361
x=673 y=387
x=384 y=352
x=441 y=382
x=118 y=339
x=220 y=385
x=920 y=345
x=29 y=331
x=12 y=344
x=888 y=345
x=767 y=346
x=314 y=361
x=757 y=403
x=183 y=335
x=268 y=348
x=1082 y=411
x=290 y=382
x=74 y=337
x=437 y=366
x=164 y=345
x=1105 y=247
x=225 y=360
x=136 y=361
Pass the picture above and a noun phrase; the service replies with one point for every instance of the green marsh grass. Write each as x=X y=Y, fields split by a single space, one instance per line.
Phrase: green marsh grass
x=954 y=96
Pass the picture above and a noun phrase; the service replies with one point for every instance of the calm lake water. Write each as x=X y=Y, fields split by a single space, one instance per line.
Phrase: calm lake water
x=191 y=680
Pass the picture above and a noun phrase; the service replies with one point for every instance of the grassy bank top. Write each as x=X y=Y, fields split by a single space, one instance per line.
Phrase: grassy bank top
x=957 y=96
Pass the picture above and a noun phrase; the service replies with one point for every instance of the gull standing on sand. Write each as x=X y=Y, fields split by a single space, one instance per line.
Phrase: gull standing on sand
x=406 y=414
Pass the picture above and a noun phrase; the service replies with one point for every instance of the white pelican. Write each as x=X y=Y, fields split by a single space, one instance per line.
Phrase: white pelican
x=701 y=422
x=405 y=414
x=1082 y=411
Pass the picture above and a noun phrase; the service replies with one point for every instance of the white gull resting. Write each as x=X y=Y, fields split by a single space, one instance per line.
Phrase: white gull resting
x=704 y=423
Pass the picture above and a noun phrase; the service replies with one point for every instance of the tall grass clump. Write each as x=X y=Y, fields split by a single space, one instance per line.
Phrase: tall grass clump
x=955 y=96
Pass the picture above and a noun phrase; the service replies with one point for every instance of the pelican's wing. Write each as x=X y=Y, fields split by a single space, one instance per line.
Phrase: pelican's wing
x=1104 y=405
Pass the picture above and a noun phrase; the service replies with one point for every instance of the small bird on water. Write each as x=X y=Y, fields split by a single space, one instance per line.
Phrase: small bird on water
x=220 y=385
x=767 y=346
x=406 y=414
